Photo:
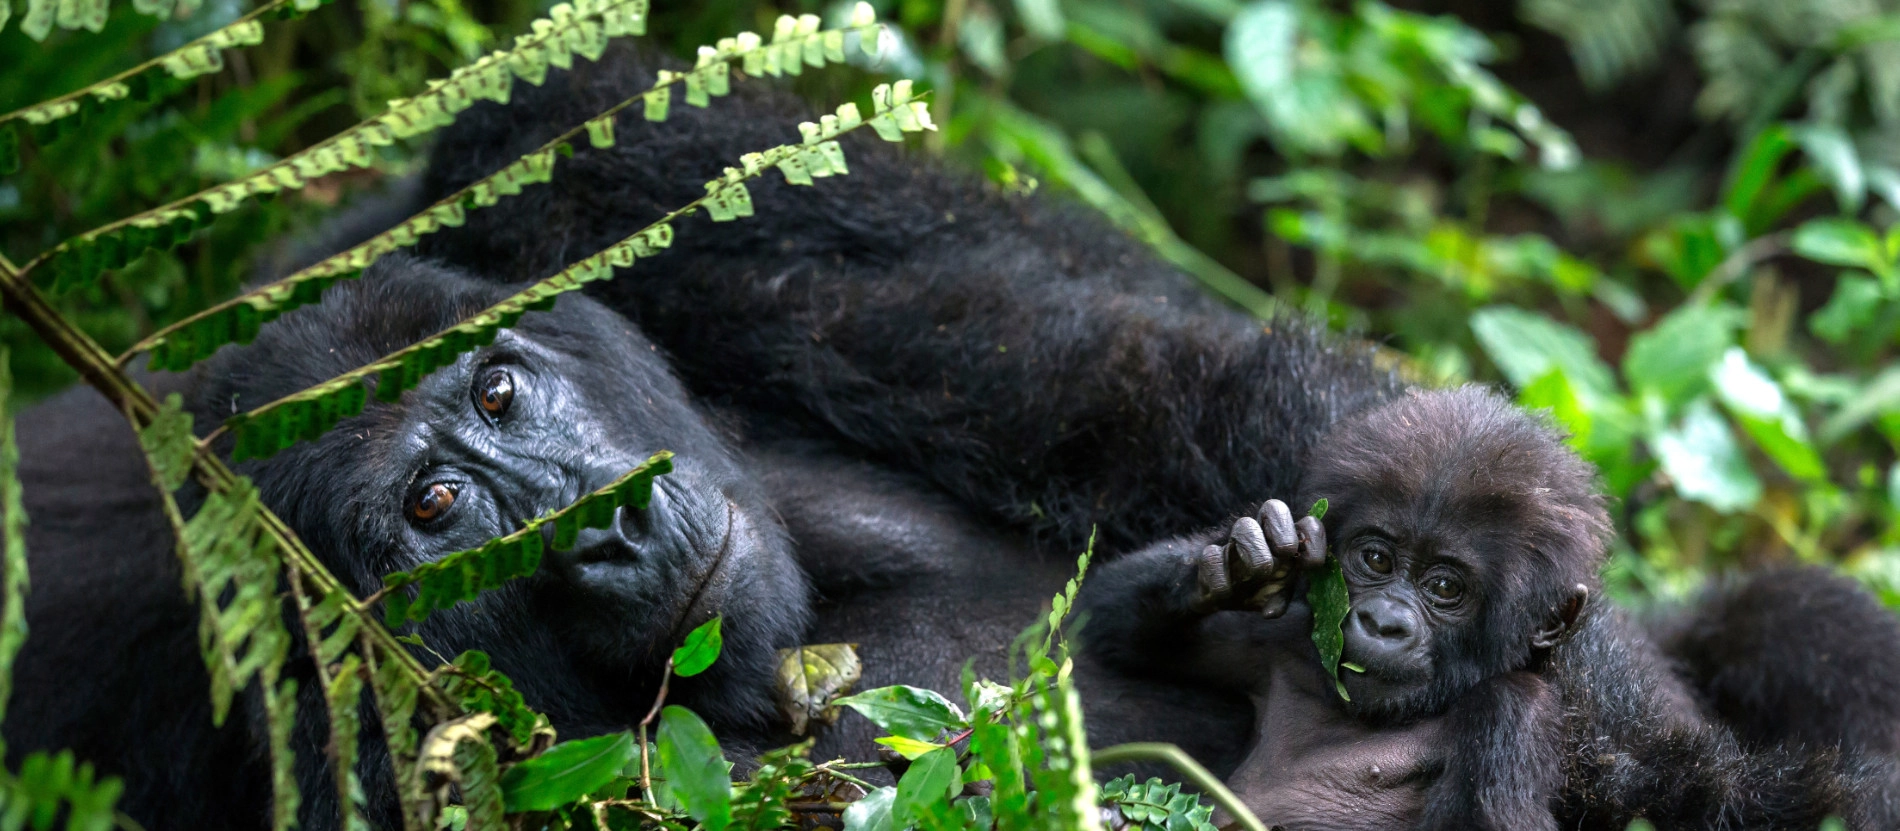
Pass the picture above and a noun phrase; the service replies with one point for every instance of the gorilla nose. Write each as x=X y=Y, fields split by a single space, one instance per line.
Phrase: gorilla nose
x=619 y=542
x=1383 y=626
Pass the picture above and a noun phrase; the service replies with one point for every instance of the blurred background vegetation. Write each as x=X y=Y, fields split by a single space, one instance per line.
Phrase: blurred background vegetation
x=1671 y=223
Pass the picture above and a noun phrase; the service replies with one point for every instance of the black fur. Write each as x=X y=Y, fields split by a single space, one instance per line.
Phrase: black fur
x=1032 y=362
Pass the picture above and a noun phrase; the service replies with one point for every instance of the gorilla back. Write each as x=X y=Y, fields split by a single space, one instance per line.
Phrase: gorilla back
x=558 y=406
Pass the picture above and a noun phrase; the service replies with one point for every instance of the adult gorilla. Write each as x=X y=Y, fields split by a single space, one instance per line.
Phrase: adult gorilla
x=558 y=406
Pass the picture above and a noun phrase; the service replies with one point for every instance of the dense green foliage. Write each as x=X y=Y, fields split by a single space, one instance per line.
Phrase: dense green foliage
x=1671 y=225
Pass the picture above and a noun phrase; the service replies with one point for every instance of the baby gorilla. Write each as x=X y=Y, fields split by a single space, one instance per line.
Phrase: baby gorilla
x=1470 y=541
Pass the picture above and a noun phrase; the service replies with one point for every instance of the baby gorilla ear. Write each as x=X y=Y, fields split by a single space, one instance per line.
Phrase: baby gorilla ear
x=1562 y=619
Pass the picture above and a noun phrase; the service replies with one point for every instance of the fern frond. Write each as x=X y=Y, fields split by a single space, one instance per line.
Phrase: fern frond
x=49 y=782
x=464 y=575
x=1609 y=39
x=343 y=696
x=305 y=415
x=582 y=28
x=178 y=346
x=13 y=583
x=396 y=695
x=458 y=752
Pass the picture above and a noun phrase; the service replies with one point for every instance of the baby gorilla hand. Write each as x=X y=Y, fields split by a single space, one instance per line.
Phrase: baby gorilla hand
x=1253 y=568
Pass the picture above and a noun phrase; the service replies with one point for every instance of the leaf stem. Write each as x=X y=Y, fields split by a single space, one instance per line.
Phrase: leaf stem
x=1199 y=776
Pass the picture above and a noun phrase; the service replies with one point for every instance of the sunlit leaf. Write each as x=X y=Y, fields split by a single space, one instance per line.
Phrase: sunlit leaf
x=1526 y=346
x=872 y=813
x=932 y=779
x=1701 y=458
x=911 y=712
x=700 y=650
x=1673 y=358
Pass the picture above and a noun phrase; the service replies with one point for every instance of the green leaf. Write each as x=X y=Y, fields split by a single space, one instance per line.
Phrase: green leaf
x=700 y=650
x=1326 y=592
x=1554 y=393
x=1319 y=508
x=931 y=781
x=1842 y=242
x=1526 y=346
x=694 y=767
x=1701 y=457
x=872 y=813
x=566 y=772
x=1673 y=359
x=1754 y=168
x=910 y=712
x=1831 y=152
x=1853 y=308
x=907 y=748
x=810 y=677
x=1765 y=413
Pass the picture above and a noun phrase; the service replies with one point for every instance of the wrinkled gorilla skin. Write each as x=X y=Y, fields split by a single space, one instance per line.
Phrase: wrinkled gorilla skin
x=112 y=668
x=1469 y=550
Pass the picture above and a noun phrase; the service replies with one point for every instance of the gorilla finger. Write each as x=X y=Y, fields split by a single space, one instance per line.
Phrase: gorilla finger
x=1274 y=606
x=1277 y=521
x=1215 y=583
x=1312 y=542
x=1250 y=548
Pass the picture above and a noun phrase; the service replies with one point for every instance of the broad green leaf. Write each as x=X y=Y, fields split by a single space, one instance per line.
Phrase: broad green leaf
x=566 y=772
x=694 y=767
x=700 y=650
x=1701 y=458
x=1830 y=151
x=1041 y=18
x=1853 y=308
x=1554 y=393
x=811 y=677
x=1673 y=359
x=1326 y=592
x=1526 y=346
x=911 y=712
x=1753 y=168
x=1320 y=506
x=872 y=813
x=1843 y=242
x=932 y=780
x=1766 y=415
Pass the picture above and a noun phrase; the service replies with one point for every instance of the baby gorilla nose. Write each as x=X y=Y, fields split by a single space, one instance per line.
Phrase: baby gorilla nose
x=1380 y=628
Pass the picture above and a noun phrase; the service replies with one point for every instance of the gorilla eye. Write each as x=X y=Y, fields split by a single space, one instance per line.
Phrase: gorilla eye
x=496 y=392
x=1444 y=588
x=1378 y=560
x=431 y=503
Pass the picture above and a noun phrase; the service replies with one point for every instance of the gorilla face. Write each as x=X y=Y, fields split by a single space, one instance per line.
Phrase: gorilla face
x=557 y=407
x=1467 y=546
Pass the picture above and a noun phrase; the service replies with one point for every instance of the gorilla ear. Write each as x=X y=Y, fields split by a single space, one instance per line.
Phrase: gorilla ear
x=1562 y=619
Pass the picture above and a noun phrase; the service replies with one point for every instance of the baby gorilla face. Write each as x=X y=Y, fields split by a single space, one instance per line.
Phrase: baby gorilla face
x=1467 y=533
x=559 y=406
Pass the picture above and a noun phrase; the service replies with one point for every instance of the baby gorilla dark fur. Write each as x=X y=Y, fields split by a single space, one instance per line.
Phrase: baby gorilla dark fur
x=1470 y=541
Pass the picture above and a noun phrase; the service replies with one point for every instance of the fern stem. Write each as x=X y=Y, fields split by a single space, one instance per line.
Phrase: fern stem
x=96 y=366
x=1187 y=767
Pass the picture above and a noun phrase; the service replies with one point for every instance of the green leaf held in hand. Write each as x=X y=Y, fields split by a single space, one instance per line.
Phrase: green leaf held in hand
x=700 y=650
x=1330 y=601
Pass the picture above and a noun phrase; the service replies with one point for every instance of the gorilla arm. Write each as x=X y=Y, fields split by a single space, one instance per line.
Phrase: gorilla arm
x=1026 y=357
x=1312 y=765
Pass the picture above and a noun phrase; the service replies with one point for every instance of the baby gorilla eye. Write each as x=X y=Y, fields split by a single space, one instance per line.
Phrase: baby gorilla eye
x=495 y=393
x=1378 y=560
x=1444 y=588
x=429 y=504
